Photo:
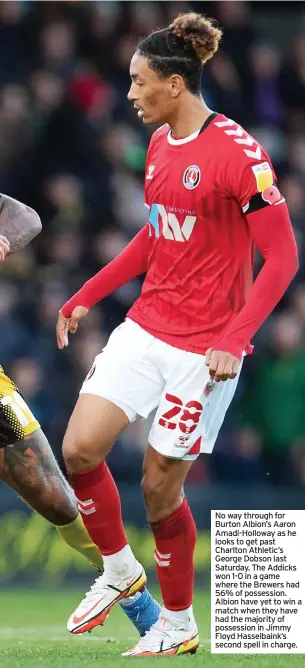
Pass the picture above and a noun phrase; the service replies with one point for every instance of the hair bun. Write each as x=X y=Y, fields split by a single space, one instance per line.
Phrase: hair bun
x=198 y=32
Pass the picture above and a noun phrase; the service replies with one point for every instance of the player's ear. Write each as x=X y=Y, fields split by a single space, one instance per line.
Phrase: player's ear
x=176 y=85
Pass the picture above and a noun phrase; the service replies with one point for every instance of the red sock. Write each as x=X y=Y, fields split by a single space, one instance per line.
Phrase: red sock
x=175 y=538
x=100 y=506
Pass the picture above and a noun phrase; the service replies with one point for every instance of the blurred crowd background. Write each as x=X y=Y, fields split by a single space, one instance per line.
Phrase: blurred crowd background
x=72 y=147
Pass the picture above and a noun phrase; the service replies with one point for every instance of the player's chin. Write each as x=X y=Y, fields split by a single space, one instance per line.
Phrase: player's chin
x=147 y=118
x=151 y=118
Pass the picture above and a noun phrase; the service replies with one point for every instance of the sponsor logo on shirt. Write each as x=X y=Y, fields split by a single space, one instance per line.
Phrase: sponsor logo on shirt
x=263 y=176
x=169 y=225
x=191 y=177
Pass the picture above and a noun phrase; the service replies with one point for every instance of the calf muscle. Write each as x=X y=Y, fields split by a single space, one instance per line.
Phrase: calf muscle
x=30 y=468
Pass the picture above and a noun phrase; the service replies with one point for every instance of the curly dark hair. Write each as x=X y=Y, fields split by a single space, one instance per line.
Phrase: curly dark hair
x=182 y=48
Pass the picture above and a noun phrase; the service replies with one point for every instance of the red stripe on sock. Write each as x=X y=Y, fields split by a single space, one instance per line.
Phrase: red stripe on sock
x=175 y=535
x=100 y=508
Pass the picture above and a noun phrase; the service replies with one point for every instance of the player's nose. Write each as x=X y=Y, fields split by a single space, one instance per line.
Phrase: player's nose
x=131 y=95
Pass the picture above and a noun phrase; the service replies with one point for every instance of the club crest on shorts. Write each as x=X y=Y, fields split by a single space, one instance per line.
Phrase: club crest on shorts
x=210 y=386
x=191 y=177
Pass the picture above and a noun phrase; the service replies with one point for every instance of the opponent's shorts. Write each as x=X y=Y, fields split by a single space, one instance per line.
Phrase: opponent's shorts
x=139 y=373
x=16 y=419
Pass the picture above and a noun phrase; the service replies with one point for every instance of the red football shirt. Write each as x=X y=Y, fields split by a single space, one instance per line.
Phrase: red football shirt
x=200 y=261
x=209 y=197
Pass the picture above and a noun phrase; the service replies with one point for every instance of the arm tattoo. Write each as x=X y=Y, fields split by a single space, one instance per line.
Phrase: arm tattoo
x=30 y=468
x=18 y=222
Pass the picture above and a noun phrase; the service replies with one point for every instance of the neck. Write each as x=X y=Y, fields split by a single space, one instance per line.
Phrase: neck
x=189 y=117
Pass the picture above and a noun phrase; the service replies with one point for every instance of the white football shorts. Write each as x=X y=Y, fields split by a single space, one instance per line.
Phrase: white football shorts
x=139 y=373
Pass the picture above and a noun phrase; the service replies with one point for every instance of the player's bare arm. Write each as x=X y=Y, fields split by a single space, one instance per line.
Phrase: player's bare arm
x=19 y=224
x=30 y=468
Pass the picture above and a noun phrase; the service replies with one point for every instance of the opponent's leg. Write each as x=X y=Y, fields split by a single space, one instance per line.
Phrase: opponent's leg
x=30 y=468
x=174 y=531
x=93 y=428
x=28 y=465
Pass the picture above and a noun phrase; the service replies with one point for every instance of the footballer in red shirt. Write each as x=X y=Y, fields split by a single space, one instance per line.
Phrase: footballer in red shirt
x=212 y=197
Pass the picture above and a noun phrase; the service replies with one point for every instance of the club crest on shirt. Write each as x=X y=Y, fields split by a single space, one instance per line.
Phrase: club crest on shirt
x=191 y=177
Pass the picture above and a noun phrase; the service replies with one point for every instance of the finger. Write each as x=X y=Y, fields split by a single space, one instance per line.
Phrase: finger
x=235 y=369
x=219 y=374
x=5 y=244
x=60 y=338
x=208 y=356
x=62 y=332
x=3 y=253
x=213 y=364
x=219 y=361
x=228 y=370
x=4 y=240
x=64 y=341
x=73 y=325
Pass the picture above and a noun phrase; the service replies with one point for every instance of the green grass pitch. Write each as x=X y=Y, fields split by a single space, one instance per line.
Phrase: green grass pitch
x=33 y=633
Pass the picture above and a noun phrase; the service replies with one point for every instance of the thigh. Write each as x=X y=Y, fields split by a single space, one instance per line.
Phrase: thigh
x=16 y=419
x=191 y=410
x=122 y=384
x=124 y=373
x=94 y=426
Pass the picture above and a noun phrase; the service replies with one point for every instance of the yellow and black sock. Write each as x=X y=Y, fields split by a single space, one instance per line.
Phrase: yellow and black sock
x=76 y=535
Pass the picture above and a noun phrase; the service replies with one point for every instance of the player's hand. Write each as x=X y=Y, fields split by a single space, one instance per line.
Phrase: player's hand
x=4 y=247
x=66 y=325
x=221 y=365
